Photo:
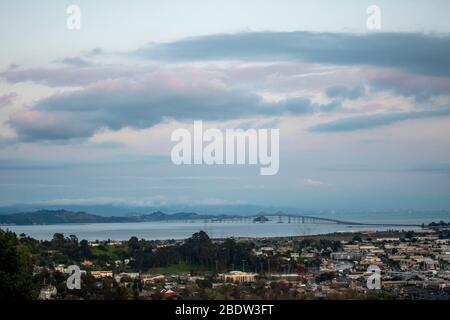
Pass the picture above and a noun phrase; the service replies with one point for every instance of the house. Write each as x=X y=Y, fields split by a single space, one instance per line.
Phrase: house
x=239 y=276
x=151 y=278
x=126 y=275
x=290 y=277
x=60 y=268
x=168 y=293
x=351 y=256
x=87 y=263
x=102 y=274
x=47 y=293
x=295 y=255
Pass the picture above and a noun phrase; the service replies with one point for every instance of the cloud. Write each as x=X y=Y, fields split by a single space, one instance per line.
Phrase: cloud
x=13 y=66
x=340 y=93
x=422 y=88
x=118 y=96
x=157 y=200
x=332 y=106
x=376 y=120
x=94 y=52
x=314 y=183
x=34 y=125
x=118 y=104
x=75 y=62
x=7 y=141
x=182 y=94
x=345 y=92
x=7 y=99
x=27 y=164
x=412 y=52
x=72 y=76
x=219 y=202
x=108 y=145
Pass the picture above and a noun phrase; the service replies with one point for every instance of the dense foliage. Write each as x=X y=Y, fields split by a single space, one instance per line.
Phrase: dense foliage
x=16 y=266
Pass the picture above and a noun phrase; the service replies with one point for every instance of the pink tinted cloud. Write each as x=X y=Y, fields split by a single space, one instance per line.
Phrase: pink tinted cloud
x=314 y=183
x=7 y=99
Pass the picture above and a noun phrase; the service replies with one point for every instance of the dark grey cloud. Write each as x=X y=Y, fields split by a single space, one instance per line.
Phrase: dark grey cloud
x=294 y=106
x=370 y=121
x=61 y=129
x=80 y=114
x=340 y=93
x=332 y=106
x=13 y=66
x=345 y=92
x=421 y=88
x=75 y=62
x=21 y=164
x=7 y=141
x=28 y=164
x=94 y=52
x=411 y=52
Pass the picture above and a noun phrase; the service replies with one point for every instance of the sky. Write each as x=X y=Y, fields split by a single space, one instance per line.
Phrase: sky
x=86 y=115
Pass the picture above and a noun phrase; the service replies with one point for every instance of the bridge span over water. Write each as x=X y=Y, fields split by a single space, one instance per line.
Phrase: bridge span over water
x=282 y=217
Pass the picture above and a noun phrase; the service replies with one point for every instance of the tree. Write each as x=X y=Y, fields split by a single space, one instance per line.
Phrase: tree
x=199 y=249
x=16 y=269
x=84 y=251
x=133 y=244
x=409 y=235
x=58 y=237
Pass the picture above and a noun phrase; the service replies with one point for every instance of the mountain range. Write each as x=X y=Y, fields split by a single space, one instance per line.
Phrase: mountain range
x=45 y=217
x=125 y=210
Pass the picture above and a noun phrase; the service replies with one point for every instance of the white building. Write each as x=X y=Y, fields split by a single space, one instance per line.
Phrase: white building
x=239 y=276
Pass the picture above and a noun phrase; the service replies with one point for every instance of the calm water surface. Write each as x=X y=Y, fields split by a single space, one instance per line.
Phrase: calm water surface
x=181 y=230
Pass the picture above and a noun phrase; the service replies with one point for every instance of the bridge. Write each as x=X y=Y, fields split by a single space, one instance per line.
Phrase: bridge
x=282 y=217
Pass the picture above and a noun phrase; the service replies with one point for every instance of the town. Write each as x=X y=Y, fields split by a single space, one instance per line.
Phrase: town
x=414 y=265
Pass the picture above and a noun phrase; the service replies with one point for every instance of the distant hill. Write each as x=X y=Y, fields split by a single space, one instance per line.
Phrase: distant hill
x=45 y=217
x=123 y=210
x=54 y=217
x=160 y=216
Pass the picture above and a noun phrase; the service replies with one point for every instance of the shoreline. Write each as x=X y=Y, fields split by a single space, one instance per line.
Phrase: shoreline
x=356 y=224
x=336 y=235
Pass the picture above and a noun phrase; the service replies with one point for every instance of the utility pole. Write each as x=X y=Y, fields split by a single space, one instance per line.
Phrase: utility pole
x=243 y=265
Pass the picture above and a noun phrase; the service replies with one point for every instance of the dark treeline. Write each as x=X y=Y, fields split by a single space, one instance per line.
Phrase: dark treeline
x=144 y=254
x=197 y=250
x=227 y=255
